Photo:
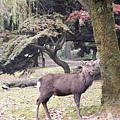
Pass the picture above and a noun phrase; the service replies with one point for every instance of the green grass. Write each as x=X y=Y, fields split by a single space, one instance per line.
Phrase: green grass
x=19 y=103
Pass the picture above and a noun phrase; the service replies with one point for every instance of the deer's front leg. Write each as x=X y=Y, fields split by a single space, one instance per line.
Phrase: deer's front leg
x=77 y=102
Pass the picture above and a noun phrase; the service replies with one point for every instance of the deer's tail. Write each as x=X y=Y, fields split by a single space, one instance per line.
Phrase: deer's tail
x=39 y=84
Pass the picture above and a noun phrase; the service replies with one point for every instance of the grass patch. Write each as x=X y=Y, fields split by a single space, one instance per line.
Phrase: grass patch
x=19 y=103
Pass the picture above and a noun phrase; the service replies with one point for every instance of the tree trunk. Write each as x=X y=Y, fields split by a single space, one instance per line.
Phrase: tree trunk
x=61 y=63
x=102 y=17
x=43 y=60
x=35 y=61
x=68 y=50
x=94 y=54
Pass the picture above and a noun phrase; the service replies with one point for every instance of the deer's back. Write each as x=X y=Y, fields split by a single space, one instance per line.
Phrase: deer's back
x=64 y=84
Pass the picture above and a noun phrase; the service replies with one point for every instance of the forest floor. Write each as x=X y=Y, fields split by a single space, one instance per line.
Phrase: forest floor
x=19 y=103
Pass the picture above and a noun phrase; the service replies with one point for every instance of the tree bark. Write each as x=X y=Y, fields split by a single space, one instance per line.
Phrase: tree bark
x=43 y=59
x=68 y=50
x=103 y=23
x=61 y=63
x=94 y=54
x=21 y=83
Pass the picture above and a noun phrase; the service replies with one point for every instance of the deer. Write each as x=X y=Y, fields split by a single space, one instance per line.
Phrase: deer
x=62 y=84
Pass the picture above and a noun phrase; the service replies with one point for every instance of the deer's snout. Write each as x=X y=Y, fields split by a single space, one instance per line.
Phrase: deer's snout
x=92 y=72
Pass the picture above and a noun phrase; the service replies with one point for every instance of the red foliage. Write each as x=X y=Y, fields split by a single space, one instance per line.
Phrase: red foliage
x=81 y=15
x=117 y=27
x=116 y=8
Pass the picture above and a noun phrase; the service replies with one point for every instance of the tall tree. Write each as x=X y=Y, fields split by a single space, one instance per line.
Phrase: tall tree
x=103 y=23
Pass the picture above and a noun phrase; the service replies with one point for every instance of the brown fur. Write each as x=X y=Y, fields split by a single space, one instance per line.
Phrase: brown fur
x=65 y=84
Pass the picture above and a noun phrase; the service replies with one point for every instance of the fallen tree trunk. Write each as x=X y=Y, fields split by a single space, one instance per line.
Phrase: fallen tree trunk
x=21 y=83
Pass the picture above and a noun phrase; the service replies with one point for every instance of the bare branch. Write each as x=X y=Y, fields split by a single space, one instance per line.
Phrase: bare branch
x=52 y=40
x=60 y=43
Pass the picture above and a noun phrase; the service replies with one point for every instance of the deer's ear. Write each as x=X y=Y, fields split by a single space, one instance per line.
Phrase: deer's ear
x=82 y=63
x=97 y=61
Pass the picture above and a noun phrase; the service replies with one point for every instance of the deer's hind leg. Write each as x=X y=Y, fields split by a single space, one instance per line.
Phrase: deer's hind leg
x=46 y=109
x=43 y=99
x=37 y=107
